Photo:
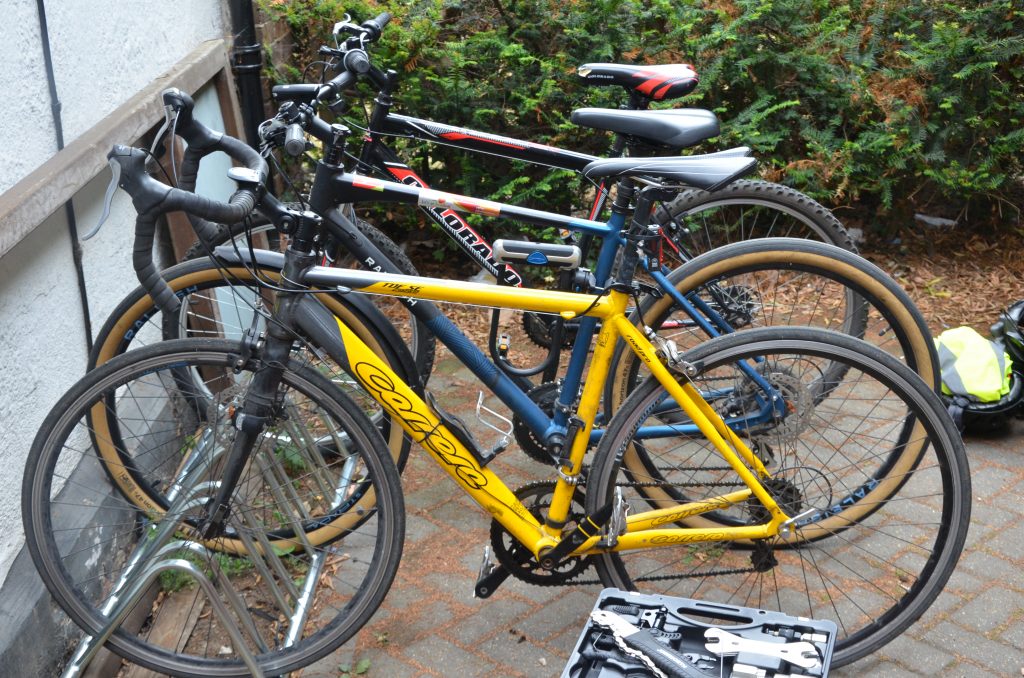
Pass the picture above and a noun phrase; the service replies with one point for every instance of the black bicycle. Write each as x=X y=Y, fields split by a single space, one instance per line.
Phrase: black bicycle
x=693 y=221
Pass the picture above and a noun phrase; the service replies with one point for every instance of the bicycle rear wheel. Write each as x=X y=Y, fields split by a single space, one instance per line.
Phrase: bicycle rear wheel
x=871 y=466
x=316 y=524
x=698 y=221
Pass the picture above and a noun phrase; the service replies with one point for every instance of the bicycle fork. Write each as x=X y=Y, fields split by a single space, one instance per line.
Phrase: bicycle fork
x=261 y=403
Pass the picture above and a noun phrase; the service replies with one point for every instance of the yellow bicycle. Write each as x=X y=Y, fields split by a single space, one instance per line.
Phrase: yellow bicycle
x=787 y=468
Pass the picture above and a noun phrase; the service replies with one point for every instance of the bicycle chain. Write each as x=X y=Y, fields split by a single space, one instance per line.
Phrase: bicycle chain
x=641 y=657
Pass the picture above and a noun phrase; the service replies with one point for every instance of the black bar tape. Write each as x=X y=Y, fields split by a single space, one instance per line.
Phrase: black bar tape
x=145 y=269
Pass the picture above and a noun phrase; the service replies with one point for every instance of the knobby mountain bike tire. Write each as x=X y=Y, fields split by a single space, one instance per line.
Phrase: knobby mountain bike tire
x=871 y=466
x=216 y=303
x=784 y=281
x=315 y=528
x=420 y=340
x=698 y=221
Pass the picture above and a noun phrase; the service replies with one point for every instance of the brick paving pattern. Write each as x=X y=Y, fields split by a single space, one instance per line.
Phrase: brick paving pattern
x=430 y=624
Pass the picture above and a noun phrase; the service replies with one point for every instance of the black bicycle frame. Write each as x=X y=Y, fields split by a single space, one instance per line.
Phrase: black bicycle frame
x=376 y=154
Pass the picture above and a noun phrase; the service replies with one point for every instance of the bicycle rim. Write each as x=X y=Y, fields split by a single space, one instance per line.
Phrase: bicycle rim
x=316 y=524
x=873 y=467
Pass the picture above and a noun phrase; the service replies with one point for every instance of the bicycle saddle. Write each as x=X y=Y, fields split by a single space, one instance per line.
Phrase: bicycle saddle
x=676 y=128
x=668 y=81
x=709 y=171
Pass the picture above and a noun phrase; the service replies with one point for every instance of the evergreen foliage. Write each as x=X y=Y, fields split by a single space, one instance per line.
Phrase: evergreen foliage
x=881 y=107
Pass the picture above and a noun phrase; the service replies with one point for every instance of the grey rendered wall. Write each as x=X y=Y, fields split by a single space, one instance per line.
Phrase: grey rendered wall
x=104 y=52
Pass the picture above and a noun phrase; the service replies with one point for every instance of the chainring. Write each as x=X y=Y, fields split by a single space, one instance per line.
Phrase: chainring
x=545 y=396
x=517 y=559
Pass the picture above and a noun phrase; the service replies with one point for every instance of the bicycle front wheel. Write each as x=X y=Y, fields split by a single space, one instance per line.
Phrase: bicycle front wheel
x=870 y=466
x=315 y=527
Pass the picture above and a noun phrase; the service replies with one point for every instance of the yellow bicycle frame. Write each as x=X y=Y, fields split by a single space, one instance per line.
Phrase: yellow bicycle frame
x=643 y=530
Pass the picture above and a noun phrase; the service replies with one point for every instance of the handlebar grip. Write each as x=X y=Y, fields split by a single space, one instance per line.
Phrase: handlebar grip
x=334 y=87
x=152 y=198
x=356 y=61
x=375 y=26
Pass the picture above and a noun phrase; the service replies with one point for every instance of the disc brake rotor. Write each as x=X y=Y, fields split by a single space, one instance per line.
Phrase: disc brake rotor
x=797 y=399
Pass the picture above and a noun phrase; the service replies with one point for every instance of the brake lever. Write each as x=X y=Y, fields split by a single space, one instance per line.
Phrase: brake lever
x=169 y=115
x=108 y=197
x=341 y=26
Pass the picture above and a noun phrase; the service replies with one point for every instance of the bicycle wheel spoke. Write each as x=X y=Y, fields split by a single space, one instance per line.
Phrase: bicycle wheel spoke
x=866 y=463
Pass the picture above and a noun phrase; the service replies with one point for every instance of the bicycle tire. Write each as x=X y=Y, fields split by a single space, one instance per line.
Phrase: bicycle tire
x=905 y=510
x=136 y=321
x=80 y=530
x=698 y=221
x=422 y=343
x=807 y=282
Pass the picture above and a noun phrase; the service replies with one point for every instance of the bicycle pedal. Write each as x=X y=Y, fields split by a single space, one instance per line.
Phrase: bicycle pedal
x=459 y=430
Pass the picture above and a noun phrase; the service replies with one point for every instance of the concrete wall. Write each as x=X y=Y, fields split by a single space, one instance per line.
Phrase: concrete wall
x=103 y=54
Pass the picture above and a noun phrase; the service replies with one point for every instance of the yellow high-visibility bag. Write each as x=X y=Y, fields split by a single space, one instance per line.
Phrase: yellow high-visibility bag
x=972 y=366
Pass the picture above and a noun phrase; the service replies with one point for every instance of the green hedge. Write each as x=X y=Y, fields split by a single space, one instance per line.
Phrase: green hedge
x=880 y=107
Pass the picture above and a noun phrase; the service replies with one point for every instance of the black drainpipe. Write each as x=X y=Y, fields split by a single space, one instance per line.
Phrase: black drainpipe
x=69 y=208
x=247 y=62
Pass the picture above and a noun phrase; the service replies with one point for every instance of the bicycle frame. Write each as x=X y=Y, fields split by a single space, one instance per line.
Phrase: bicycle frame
x=335 y=187
x=644 y=530
x=375 y=154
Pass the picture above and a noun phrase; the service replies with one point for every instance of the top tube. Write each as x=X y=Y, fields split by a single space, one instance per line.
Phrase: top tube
x=354 y=188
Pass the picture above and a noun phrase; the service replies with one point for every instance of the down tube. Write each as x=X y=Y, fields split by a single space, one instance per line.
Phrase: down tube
x=416 y=418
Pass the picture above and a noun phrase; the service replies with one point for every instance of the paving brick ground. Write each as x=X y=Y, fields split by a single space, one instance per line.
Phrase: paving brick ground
x=430 y=625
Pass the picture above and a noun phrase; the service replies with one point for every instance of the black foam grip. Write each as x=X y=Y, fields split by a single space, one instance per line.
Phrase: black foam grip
x=356 y=61
x=334 y=87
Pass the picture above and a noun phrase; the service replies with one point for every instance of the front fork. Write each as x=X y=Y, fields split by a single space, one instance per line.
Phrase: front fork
x=260 y=405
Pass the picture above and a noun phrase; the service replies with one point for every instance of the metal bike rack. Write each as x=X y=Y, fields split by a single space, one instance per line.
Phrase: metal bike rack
x=156 y=550
x=159 y=552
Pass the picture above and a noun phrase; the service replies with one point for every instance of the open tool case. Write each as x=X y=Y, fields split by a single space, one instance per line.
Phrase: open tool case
x=753 y=643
